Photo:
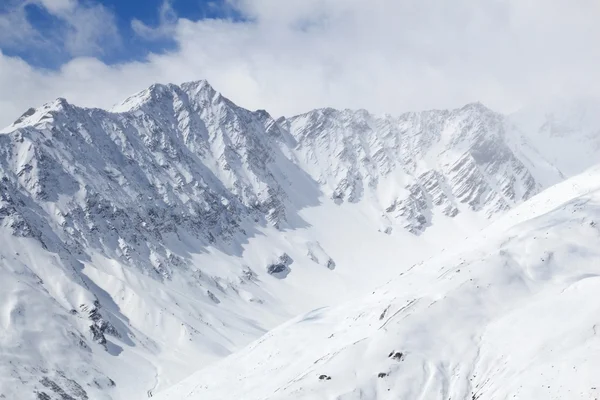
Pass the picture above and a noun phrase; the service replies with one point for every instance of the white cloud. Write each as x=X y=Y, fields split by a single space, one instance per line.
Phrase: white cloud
x=91 y=28
x=85 y=28
x=166 y=27
x=57 y=6
x=383 y=55
x=15 y=29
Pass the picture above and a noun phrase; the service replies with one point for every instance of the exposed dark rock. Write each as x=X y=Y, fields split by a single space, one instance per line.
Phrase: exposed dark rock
x=74 y=387
x=318 y=255
x=248 y=275
x=100 y=326
x=382 y=316
x=79 y=340
x=324 y=377
x=280 y=269
x=26 y=114
x=98 y=335
x=104 y=383
x=50 y=384
x=211 y=296
x=331 y=263
x=277 y=268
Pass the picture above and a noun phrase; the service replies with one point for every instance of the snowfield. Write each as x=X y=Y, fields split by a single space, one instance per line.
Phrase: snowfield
x=509 y=314
x=445 y=253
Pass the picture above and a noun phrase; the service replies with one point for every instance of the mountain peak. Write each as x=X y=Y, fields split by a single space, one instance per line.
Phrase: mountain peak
x=476 y=106
x=34 y=116
x=158 y=91
x=197 y=86
x=152 y=93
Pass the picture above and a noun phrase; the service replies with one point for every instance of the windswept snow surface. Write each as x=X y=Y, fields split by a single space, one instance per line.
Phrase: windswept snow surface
x=141 y=244
x=510 y=314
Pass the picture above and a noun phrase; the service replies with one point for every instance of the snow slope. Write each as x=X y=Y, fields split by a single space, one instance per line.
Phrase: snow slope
x=144 y=243
x=509 y=314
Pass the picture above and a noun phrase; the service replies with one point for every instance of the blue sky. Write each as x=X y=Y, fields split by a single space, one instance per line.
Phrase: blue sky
x=123 y=46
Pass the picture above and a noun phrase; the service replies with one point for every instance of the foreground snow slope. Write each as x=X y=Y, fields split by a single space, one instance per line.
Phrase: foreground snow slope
x=163 y=331
x=141 y=244
x=510 y=314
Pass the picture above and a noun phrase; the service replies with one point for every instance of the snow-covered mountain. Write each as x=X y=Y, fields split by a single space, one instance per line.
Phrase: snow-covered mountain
x=510 y=314
x=146 y=242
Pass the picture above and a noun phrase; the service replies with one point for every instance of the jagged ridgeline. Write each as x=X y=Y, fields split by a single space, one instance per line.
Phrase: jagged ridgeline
x=178 y=214
x=186 y=157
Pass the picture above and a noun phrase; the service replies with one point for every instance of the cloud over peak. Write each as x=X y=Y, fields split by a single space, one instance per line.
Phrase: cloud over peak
x=288 y=57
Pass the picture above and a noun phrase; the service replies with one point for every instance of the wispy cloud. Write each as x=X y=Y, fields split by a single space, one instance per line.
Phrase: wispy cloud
x=165 y=28
x=90 y=28
x=15 y=28
x=78 y=29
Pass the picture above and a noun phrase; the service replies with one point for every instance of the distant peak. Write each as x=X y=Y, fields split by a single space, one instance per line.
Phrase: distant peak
x=199 y=89
x=61 y=102
x=140 y=98
x=34 y=115
x=477 y=106
x=158 y=88
x=201 y=84
x=157 y=91
x=321 y=112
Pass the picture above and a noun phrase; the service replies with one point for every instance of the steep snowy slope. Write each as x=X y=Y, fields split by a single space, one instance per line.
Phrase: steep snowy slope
x=144 y=243
x=510 y=314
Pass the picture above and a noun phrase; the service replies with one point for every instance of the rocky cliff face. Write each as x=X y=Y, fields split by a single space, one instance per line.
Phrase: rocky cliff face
x=414 y=165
